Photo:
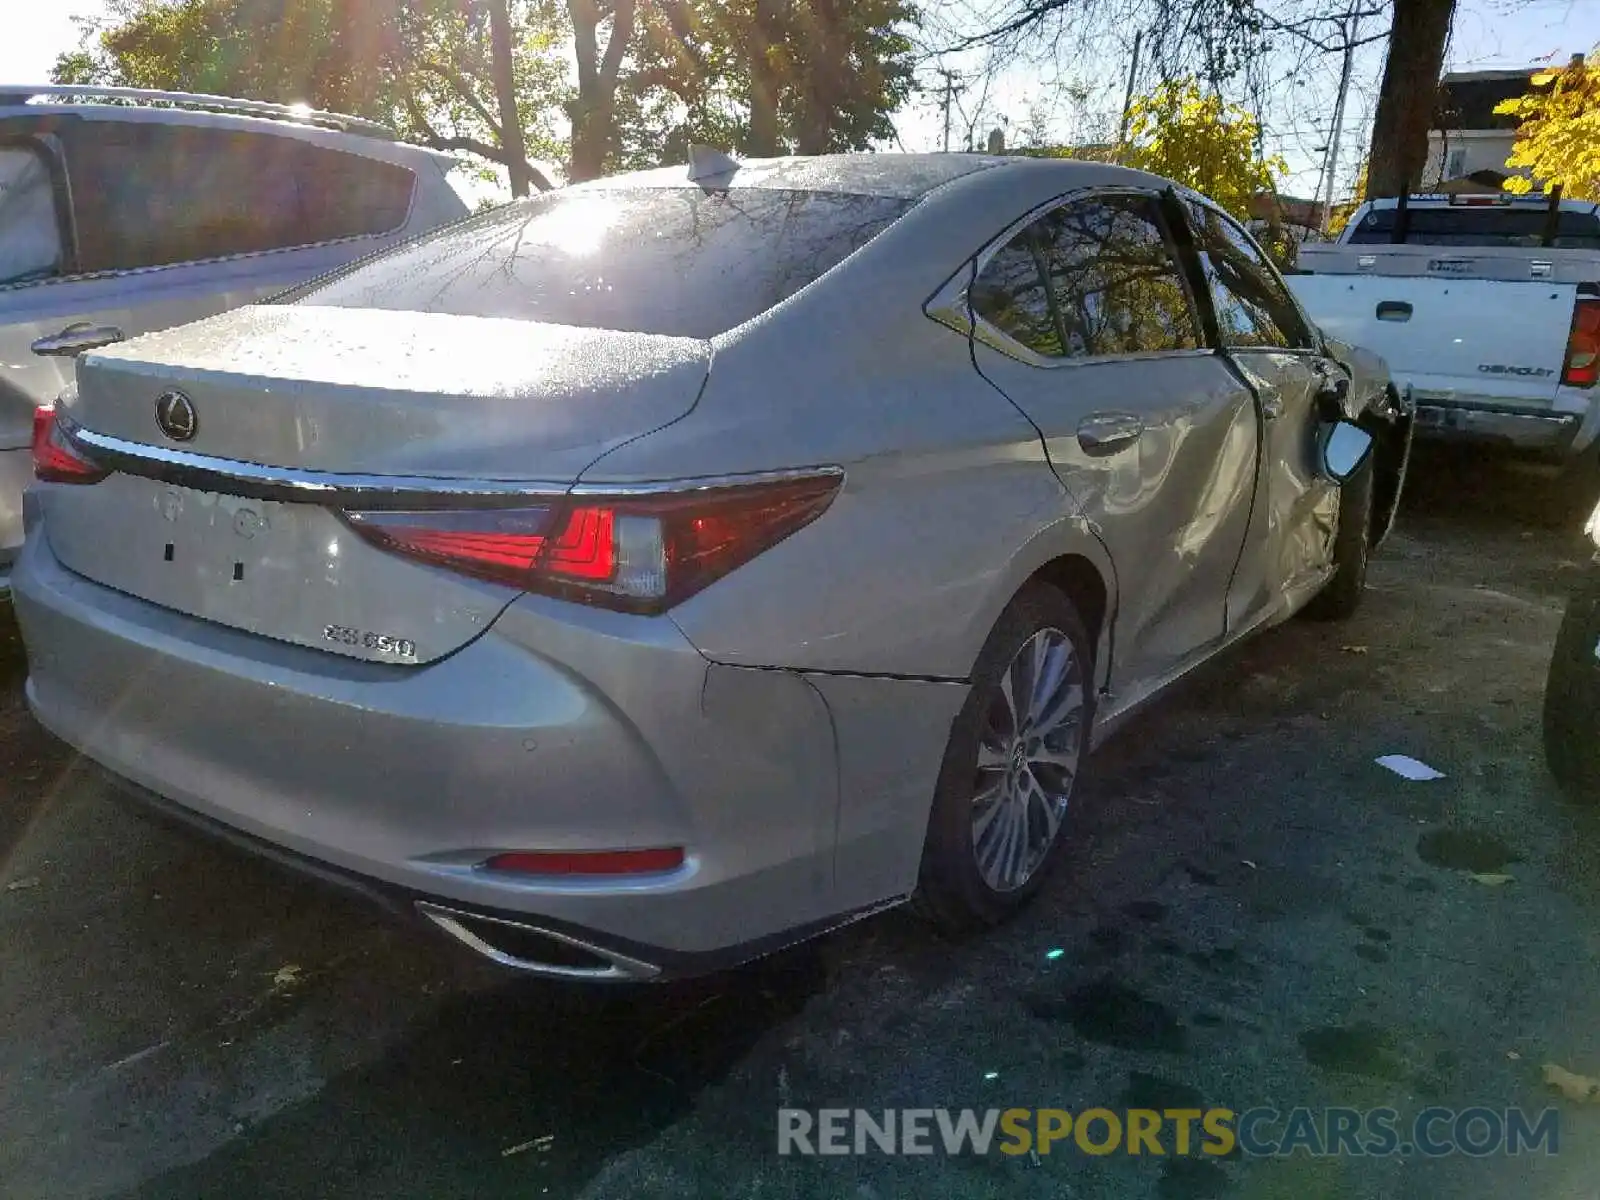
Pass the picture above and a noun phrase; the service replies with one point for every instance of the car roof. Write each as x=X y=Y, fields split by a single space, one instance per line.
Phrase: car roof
x=897 y=175
x=353 y=141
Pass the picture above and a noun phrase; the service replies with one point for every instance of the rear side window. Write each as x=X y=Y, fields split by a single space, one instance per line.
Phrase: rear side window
x=149 y=194
x=1010 y=293
x=677 y=261
x=1475 y=226
x=1252 y=304
x=30 y=239
x=1092 y=278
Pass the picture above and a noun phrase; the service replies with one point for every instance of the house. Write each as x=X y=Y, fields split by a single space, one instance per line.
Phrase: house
x=1470 y=142
x=1300 y=219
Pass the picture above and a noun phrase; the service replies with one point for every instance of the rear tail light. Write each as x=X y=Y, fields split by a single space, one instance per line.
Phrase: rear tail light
x=587 y=862
x=639 y=553
x=1583 y=346
x=55 y=460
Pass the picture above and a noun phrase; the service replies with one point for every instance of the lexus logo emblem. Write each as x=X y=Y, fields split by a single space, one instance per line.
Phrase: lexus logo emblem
x=176 y=416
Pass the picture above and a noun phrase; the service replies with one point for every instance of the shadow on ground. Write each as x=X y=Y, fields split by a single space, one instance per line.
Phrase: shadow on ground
x=526 y=1090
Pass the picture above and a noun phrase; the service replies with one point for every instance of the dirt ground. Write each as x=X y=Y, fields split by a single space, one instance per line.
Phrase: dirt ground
x=1252 y=913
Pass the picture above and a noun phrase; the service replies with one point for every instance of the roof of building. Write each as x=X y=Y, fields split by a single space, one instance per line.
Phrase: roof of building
x=1467 y=99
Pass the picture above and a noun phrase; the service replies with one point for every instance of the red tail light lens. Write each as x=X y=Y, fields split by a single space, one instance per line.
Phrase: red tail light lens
x=1583 y=346
x=638 y=553
x=54 y=458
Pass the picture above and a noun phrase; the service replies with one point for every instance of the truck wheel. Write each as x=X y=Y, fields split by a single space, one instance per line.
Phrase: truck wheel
x=1352 y=546
x=1011 y=767
x=1572 y=700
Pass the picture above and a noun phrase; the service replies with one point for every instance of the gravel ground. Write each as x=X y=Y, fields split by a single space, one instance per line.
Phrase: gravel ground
x=1252 y=913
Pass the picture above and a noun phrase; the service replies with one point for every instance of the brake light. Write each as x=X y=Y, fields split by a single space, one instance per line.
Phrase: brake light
x=55 y=459
x=639 y=553
x=1583 y=346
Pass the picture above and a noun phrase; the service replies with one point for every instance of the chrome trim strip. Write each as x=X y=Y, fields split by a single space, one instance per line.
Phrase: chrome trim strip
x=259 y=481
x=622 y=967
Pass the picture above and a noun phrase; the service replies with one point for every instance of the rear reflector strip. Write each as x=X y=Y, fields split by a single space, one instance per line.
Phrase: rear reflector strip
x=587 y=862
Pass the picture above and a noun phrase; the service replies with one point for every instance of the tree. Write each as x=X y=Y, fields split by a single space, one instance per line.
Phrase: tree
x=601 y=84
x=1230 y=41
x=768 y=77
x=425 y=66
x=1407 y=96
x=593 y=109
x=1197 y=139
x=1558 y=138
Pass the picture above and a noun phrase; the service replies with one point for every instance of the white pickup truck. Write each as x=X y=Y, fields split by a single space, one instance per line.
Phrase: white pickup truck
x=1487 y=308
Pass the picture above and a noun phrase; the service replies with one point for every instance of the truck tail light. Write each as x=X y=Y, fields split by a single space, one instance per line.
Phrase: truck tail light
x=1582 y=367
x=635 y=552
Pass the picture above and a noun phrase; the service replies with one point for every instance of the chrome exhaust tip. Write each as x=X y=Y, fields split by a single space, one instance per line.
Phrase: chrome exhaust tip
x=533 y=950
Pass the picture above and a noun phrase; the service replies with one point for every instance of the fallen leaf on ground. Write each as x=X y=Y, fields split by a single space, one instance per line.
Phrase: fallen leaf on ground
x=1353 y=649
x=541 y=1144
x=19 y=885
x=1490 y=878
x=1579 y=1088
x=286 y=976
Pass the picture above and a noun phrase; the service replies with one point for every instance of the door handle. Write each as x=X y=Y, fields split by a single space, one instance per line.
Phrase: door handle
x=1106 y=433
x=75 y=339
x=1394 y=310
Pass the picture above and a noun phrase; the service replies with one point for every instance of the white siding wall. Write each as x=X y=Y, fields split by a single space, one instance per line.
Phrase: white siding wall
x=1482 y=150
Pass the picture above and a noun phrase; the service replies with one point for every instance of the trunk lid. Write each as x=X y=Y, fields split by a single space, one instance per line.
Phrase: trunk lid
x=365 y=391
x=342 y=395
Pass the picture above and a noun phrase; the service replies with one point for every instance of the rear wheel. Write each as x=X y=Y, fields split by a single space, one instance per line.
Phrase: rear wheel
x=1352 y=546
x=1572 y=700
x=1011 y=766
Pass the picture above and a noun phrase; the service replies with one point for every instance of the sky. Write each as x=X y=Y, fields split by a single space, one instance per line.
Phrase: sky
x=1298 y=119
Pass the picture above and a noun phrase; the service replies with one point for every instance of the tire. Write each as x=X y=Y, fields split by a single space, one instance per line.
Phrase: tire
x=1352 y=547
x=1572 y=700
x=966 y=882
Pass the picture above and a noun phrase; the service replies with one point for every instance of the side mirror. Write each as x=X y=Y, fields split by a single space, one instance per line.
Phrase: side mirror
x=1345 y=447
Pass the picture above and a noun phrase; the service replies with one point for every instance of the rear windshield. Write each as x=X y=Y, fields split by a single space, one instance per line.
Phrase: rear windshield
x=686 y=262
x=1480 y=227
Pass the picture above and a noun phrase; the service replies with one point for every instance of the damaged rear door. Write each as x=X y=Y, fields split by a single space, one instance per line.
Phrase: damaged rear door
x=1084 y=318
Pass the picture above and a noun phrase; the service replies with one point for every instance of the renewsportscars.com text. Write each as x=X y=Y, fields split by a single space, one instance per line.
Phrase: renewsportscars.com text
x=1260 y=1132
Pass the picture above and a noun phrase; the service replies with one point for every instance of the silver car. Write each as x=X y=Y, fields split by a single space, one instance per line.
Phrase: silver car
x=638 y=578
x=118 y=217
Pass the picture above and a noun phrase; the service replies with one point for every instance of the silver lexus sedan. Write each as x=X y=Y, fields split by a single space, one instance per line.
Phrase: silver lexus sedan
x=638 y=578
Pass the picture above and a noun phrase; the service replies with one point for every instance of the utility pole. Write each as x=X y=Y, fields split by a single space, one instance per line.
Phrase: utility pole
x=1331 y=168
x=947 y=101
x=1127 y=99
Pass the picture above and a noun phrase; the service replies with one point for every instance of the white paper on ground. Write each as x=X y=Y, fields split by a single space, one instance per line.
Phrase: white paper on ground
x=1407 y=767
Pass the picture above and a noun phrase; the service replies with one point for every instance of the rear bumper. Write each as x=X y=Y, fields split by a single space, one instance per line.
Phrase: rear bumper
x=615 y=734
x=1544 y=434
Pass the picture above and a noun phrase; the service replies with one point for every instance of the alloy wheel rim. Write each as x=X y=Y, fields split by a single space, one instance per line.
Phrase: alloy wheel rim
x=1028 y=756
